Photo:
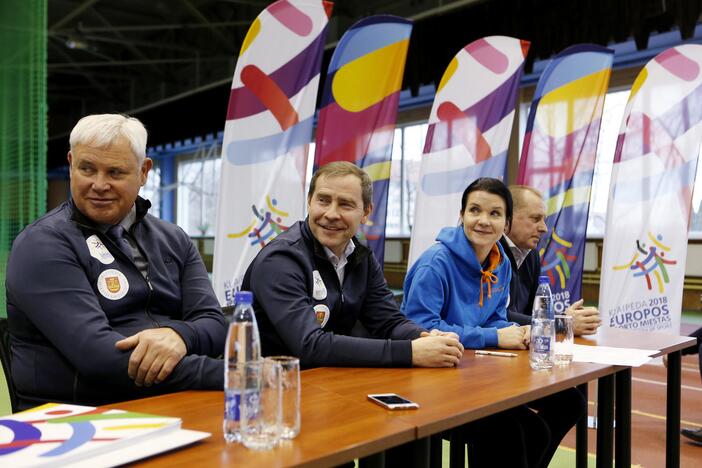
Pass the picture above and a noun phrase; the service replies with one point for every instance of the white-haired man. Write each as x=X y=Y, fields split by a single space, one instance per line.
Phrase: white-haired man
x=106 y=302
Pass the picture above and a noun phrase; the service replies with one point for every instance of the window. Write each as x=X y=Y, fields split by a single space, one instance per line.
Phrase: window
x=612 y=116
x=198 y=188
x=406 y=160
x=152 y=190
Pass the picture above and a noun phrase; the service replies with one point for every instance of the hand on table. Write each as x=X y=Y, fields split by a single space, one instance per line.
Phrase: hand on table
x=437 y=332
x=527 y=334
x=433 y=350
x=155 y=354
x=586 y=320
x=511 y=337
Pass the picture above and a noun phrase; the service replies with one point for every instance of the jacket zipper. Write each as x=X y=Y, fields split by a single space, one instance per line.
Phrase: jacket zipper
x=147 y=308
x=147 y=278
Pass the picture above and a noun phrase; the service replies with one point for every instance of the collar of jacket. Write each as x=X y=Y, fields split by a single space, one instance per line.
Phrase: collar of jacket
x=360 y=253
x=142 y=207
x=508 y=253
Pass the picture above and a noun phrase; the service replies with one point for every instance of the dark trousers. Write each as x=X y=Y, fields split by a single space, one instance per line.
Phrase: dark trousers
x=517 y=437
x=559 y=412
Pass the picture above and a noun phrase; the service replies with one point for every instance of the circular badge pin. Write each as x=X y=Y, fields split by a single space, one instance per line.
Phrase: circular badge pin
x=98 y=250
x=319 y=290
x=112 y=284
x=321 y=311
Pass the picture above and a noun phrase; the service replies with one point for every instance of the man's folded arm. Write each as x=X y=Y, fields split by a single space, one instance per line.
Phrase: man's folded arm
x=203 y=327
x=61 y=304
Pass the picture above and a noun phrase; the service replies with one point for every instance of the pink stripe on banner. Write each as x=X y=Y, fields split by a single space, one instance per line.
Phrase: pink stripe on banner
x=290 y=17
x=488 y=56
x=679 y=65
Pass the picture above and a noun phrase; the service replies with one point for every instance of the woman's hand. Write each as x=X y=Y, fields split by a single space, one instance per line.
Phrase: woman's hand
x=511 y=337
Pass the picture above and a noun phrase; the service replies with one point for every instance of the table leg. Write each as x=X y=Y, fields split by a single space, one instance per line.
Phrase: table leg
x=605 y=421
x=581 y=435
x=622 y=454
x=672 y=416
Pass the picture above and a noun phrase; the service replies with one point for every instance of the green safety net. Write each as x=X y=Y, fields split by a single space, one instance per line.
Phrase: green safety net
x=23 y=109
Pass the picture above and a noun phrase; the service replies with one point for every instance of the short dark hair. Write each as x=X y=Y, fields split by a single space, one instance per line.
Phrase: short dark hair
x=490 y=185
x=344 y=168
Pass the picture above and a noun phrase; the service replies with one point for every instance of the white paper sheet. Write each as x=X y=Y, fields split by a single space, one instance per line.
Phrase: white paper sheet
x=612 y=356
x=143 y=449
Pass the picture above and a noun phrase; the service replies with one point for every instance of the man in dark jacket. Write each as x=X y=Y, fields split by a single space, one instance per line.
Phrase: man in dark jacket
x=106 y=302
x=520 y=242
x=561 y=410
x=313 y=282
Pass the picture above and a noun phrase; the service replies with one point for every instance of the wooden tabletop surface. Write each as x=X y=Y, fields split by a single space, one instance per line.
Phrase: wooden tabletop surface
x=447 y=398
x=334 y=431
x=339 y=424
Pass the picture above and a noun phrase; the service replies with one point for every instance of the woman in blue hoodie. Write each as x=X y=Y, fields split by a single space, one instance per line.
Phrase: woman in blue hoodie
x=461 y=285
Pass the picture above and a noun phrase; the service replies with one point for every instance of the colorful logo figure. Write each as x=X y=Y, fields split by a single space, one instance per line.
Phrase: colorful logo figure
x=560 y=262
x=268 y=228
x=74 y=428
x=653 y=263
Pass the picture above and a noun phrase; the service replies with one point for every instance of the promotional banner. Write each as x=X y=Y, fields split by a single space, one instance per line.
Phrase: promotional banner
x=558 y=159
x=648 y=214
x=469 y=129
x=268 y=128
x=359 y=108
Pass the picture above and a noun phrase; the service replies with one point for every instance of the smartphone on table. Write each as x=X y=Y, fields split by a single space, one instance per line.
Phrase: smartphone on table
x=392 y=401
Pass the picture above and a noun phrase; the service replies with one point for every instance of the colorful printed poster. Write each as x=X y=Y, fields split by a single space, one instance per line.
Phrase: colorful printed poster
x=268 y=128
x=58 y=434
x=359 y=109
x=648 y=214
x=558 y=159
x=469 y=129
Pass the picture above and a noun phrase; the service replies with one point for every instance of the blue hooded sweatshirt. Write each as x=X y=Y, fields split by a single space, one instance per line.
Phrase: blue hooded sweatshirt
x=445 y=287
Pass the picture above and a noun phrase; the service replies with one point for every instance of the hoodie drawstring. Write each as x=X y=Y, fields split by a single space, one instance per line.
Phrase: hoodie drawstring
x=486 y=277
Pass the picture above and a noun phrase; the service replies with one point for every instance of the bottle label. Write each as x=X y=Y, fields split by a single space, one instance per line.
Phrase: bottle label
x=231 y=406
x=253 y=404
x=542 y=344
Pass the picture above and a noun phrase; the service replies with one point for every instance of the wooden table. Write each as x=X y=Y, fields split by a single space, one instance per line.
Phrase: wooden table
x=480 y=386
x=666 y=344
x=339 y=424
x=334 y=431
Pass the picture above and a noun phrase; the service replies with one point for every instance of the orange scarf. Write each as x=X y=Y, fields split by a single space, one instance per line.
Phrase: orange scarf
x=487 y=277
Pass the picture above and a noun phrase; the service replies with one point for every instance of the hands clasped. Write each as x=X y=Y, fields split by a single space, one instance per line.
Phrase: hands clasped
x=436 y=349
x=586 y=320
x=514 y=337
x=155 y=354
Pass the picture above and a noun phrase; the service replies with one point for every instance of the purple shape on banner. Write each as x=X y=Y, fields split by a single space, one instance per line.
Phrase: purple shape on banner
x=289 y=77
x=485 y=113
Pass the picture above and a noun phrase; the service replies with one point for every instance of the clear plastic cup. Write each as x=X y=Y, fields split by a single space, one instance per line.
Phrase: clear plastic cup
x=261 y=404
x=563 y=347
x=290 y=382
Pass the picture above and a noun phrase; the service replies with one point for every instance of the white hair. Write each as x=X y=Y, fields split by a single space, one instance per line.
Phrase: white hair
x=102 y=130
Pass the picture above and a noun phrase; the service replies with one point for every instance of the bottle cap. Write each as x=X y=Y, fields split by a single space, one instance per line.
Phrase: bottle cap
x=543 y=279
x=245 y=297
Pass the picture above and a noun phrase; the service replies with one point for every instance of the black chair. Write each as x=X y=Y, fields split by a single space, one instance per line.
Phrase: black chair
x=6 y=359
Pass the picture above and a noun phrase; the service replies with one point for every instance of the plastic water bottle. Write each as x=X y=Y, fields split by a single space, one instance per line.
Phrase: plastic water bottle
x=543 y=331
x=243 y=344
